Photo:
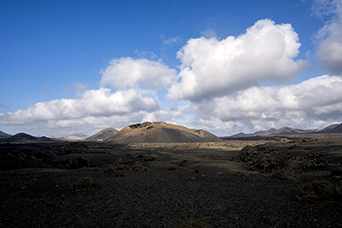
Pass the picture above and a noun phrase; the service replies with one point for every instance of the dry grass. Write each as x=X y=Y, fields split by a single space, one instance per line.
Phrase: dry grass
x=226 y=145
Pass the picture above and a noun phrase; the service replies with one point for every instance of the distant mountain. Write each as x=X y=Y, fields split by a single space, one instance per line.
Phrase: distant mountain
x=102 y=135
x=241 y=134
x=73 y=137
x=280 y=131
x=160 y=132
x=76 y=136
x=4 y=135
x=290 y=131
x=23 y=137
x=267 y=132
x=334 y=128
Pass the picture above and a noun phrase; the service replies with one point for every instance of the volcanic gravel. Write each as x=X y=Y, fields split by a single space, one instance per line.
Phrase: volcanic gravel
x=44 y=198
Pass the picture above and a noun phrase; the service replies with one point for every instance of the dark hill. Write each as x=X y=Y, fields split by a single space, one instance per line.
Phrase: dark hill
x=160 y=132
x=335 y=128
x=23 y=137
x=4 y=135
x=102 y=135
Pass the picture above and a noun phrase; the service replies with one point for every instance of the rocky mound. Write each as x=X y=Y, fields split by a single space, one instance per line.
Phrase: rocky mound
x=160 y=132
x=102 y=135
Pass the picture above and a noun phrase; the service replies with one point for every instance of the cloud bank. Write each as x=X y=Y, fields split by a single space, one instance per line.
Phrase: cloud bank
x=312 y=103
x=95 y=103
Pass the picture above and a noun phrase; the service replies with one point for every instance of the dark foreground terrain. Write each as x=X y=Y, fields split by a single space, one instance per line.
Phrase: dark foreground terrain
x=166 y=185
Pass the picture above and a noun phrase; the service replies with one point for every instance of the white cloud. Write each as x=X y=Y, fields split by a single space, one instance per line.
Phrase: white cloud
x=329 y=52
x=314 y=103
x=126 y=73
x=171 y=40
x=91 y=103
x=213 y=68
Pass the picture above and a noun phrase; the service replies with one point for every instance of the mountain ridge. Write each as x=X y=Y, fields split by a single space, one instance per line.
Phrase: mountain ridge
x=333 y=128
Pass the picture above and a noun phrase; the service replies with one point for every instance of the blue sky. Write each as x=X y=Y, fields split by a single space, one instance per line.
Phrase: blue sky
x=223 y=66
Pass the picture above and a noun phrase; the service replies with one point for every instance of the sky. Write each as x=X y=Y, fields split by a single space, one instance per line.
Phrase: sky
x=223 y=66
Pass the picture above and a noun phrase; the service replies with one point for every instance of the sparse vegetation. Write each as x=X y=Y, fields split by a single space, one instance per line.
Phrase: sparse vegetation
x=220 y=209
x=119 y=161
x=280 y=174
x=82 y=184
x=319 y=192
x=284 y=174
x=139 y=167
x=108 y=170
x=194 y=223
x=336 y=172
x=96 y=169
x=122 y=167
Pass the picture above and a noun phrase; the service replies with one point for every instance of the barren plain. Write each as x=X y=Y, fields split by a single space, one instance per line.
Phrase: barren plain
x=234 y=183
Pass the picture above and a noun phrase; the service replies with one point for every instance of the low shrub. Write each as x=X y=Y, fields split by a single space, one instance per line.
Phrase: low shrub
x=194 y=223
x=108 y=170
x=139 y=167
x=96 y=169
x=122 y=167
x=336 y=172
x=279 y=174
x=220 y=209
x=82 y=184
x=319 y=192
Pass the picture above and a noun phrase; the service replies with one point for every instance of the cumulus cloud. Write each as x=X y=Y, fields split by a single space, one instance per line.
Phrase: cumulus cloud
x=310 y=104
x=91 y=103
x=329 y=52
x=213 y=68
x=126 y=73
